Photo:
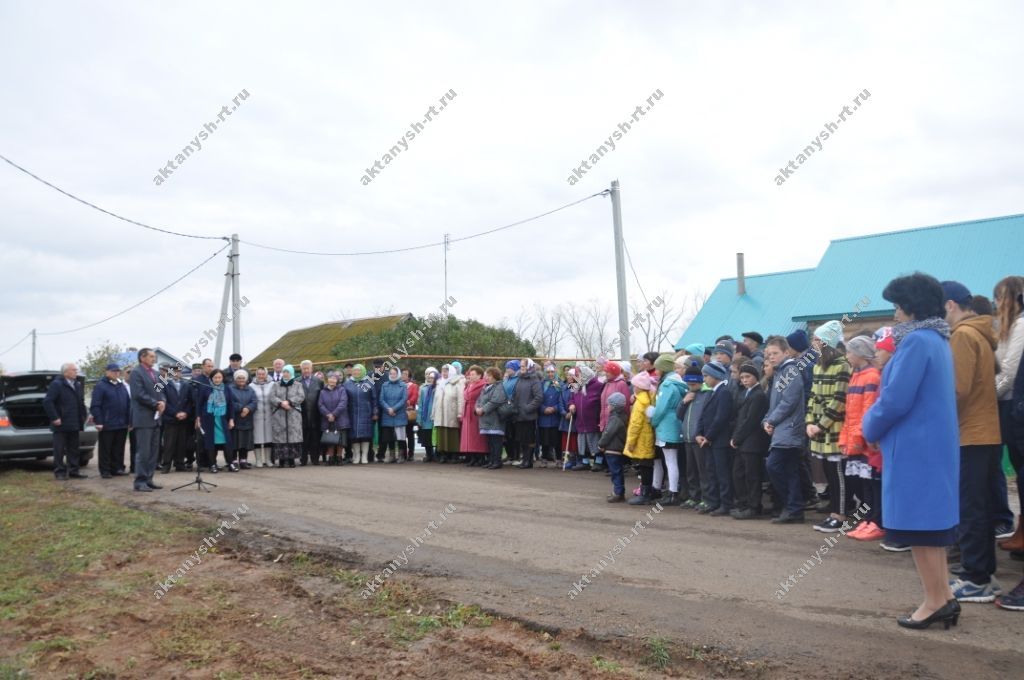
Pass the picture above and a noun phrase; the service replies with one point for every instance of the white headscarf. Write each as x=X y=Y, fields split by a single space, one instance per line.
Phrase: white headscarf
x=441 y=381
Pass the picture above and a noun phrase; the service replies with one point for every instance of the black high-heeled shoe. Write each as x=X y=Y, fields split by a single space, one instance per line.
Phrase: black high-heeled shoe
x=948 y=614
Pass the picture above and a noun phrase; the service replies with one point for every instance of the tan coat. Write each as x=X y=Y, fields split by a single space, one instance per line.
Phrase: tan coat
x=974 y=366
x=449 y=403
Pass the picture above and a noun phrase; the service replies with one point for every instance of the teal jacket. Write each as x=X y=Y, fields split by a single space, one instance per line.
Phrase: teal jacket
x=666 y=424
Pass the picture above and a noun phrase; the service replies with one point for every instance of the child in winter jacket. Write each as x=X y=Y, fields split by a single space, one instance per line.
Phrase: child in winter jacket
x=640 y=438
x=863 y=461
x=688 y=412
x=612 y=444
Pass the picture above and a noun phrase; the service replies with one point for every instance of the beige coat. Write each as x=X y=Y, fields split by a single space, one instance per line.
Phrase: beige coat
x=449 y=403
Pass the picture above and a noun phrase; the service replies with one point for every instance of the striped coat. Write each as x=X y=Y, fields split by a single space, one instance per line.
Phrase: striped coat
x=860 y=395
x=826 y=406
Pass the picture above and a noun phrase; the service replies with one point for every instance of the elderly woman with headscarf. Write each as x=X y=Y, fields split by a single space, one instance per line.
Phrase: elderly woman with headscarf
x=244 y=405
x=214 y=420
x=334 y=416
x=449 y=404
x=550 y=415
x=508 y=384
x=426 y=413
x=586 y=407
x=567 y=423
x=362 y=410
x=262 y=436
x=472 y=442
x=527 y=398
x=286 y=404
x=394 y=395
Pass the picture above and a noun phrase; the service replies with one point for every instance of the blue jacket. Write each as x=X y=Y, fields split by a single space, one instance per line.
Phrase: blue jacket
x=111 y=406
x=243 y=398
x=717 y=416
x=551 y=398
x=361 y=407
x=666 y=425
x=206 y=419
x=689 y=414
x=394 y=394
x=178 y=400
x=563 y=409
x=787 y=407
x=65 y=404
x=915 y=420
x=426 y=406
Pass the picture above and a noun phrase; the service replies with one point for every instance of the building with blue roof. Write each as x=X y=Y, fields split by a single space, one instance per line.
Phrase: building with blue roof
x=852 y=274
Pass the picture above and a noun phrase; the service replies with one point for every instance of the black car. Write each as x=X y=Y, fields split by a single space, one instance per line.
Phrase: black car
x=24 y=426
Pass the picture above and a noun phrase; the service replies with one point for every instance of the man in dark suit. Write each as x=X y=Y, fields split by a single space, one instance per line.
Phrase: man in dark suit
x=201 y=386
x=713 y=433
x=275 y=375
x=111 y=412
x=178 y=419
x=64 y=404
x=148 y=405
x=310 y=414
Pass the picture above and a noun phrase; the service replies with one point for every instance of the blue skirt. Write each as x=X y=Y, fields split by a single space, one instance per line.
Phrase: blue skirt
x=924 y=539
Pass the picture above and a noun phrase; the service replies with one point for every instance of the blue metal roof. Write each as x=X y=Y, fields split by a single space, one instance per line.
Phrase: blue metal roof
x=977 y=253
x=767 y=307
x=854 y=271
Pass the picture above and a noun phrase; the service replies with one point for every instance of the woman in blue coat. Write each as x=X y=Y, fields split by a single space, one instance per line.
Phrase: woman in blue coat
x=550 y=415
x=244 y=403
x=394 y=395
x=214 y=419
x=915 y=421
x=426 y=415
x=362 y=411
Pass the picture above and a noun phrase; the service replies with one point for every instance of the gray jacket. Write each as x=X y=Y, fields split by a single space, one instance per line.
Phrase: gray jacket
x=489 y=400
x=527 y=396
x=145 y=397
x=787 y=407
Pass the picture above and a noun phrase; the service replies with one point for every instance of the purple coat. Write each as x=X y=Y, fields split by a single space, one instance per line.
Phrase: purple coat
x=334 y=402
x=588 y=407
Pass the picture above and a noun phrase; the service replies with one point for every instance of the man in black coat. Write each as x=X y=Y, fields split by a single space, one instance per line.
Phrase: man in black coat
x=178 y=420
x=201 y=386
x=148 y=405
x=713 y=437
x=64 y=404
x=751 y=444
x=311 y=413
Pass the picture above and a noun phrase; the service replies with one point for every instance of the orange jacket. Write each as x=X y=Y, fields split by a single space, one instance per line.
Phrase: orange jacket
x=860 y=395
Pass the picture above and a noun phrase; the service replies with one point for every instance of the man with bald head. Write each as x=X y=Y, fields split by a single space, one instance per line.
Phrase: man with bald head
x=64 y=404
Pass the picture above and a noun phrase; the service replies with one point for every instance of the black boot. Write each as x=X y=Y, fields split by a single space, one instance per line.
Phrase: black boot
x=671 y=499
x=644 y=498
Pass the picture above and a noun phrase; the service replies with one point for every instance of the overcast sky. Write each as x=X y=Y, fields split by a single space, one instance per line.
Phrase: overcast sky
x=98 y=96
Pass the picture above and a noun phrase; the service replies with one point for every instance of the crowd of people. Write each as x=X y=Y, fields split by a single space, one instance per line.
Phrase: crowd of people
x=908 y=422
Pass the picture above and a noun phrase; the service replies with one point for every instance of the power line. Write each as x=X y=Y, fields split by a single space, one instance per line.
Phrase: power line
x=27 y=335
x=107 y=212
x=427 y=245
x=137 y=304
x=630 y=260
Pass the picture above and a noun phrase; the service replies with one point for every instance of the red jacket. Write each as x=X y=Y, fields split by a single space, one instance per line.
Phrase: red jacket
x=414 y=395
x=861 y=393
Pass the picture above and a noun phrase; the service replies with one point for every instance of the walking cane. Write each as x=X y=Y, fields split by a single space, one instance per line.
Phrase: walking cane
x=568 y=438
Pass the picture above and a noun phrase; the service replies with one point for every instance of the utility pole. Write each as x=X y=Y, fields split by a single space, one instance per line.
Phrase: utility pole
x=228 y=278
x=446 y=237
x=620 y=270
x=34 y=348
x=236 y=320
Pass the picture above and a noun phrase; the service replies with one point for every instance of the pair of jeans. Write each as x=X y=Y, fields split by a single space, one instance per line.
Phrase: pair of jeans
x=978 y=465
x=494 y=444
x=616 y=467
x=784 y=472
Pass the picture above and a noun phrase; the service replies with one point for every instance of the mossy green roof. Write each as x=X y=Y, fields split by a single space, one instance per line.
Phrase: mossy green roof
x=316 y=342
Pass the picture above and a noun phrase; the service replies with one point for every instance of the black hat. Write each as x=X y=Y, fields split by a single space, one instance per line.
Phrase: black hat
x=235 y=357
x=755 y=336
x=378 y=362
x=752 y=370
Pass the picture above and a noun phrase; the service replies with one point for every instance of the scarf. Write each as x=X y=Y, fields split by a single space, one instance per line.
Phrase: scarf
x=510 y=385
x=902 y=330
x=217 y=405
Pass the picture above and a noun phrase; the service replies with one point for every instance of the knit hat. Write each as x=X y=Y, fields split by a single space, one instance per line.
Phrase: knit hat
x=613 y=369
x=616 y=398
x=665 y=363
x=642 y=381
x=724 y=349
x=798 y=340
x=751 y=369
x=862 y=346
x=755 y=336
x=830 y=332
x=627 y=368
x=691 y=369
x=884 y=340
x=696 y=349
x=715 y=370
x=513 y=364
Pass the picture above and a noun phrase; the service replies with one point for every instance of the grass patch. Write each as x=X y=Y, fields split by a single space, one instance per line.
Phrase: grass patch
x=602 y=664
x=460 y=616
x=658 y=655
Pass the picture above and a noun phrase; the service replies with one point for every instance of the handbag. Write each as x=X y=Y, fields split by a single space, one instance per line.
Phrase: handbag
x=507 y=411
x=410 y=414
x=331 y=438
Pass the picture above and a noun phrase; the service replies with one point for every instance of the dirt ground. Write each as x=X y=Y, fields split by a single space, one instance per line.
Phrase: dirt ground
x=486 y=592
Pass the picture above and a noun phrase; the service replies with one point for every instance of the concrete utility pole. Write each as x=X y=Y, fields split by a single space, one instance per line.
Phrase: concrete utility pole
x=232 y=292
x=620 y=271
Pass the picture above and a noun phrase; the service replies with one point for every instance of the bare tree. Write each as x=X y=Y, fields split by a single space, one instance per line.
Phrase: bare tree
x=658 y=322
x=550 y=331
x=587 y=325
